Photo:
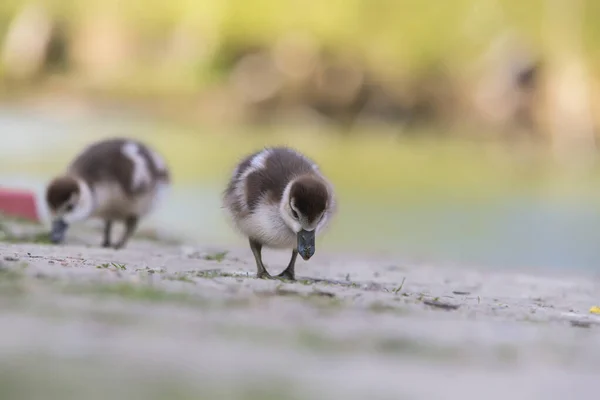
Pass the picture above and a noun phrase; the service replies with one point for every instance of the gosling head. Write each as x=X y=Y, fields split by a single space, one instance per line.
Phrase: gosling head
x=304 y=207
x=67 y=203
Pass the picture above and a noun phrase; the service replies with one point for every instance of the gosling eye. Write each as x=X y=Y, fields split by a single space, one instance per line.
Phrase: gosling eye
x=295 y=214
x=69 y=208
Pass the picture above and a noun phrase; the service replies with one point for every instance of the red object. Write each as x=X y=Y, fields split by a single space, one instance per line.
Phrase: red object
x=19 y=203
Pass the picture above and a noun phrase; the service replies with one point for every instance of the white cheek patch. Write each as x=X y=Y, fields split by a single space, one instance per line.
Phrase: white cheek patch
x=74 y=216
x=290 y=221
x=285 y=209
x=83 y=208
x=141 y=172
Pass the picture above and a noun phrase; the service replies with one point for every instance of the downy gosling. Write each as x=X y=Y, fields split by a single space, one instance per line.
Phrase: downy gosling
x=117 y=180
x=278 y=198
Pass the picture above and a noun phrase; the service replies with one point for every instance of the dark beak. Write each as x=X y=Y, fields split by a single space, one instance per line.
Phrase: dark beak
x=59 y=228
x=306 y=244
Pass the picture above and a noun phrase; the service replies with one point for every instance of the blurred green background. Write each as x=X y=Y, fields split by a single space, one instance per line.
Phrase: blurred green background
x=458 y=131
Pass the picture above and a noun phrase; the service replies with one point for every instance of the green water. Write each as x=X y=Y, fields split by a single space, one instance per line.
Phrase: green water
x=444 y=221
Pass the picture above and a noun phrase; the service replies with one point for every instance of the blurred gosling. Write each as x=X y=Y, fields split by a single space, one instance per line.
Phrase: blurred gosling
x=117 y=180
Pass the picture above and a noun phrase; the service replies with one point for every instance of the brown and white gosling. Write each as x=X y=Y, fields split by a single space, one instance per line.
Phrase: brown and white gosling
x=278 y=198
x=116 y=180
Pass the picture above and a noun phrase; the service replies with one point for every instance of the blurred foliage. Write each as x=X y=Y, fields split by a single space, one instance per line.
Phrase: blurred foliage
x=338 y=63
x=405 y=34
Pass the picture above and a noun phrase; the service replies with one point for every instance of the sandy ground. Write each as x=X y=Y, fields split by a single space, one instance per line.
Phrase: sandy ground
x=157 y=321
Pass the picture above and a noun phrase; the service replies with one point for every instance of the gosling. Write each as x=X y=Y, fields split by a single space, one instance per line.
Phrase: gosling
x=116 y=180
x=278 y=198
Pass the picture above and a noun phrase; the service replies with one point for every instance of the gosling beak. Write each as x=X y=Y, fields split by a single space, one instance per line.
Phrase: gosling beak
x=59 y=228
x=306 y=244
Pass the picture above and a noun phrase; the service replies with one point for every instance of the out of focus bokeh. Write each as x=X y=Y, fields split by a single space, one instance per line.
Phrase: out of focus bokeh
x=463 y=131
